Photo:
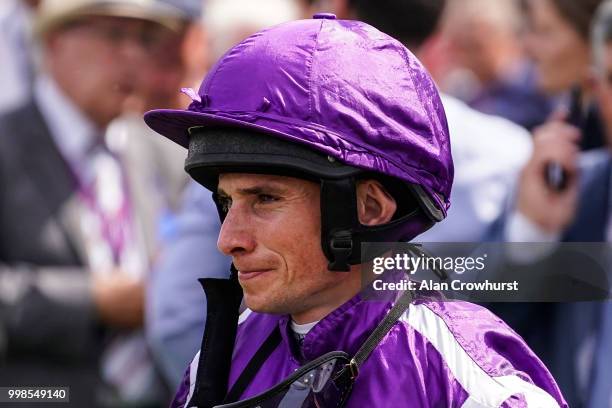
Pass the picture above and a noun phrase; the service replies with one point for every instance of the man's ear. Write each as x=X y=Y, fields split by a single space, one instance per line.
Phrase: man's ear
x=375 y=205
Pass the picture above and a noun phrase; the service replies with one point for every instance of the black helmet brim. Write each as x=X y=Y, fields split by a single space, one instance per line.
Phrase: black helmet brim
x=213 y=151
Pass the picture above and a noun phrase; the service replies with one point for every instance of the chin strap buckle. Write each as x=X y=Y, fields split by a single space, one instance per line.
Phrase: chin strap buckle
x=354 y=369
x=341 y=246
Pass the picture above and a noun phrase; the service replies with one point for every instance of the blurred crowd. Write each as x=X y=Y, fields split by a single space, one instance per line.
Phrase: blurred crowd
x=103 y=238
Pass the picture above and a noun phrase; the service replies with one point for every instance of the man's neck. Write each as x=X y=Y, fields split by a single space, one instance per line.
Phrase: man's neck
x=314 y=314
x=332 y=299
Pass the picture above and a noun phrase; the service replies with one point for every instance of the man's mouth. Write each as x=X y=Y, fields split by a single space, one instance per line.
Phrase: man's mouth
x=251 y=274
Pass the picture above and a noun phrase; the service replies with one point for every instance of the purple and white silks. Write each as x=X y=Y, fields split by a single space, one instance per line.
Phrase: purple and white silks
x=439 y=354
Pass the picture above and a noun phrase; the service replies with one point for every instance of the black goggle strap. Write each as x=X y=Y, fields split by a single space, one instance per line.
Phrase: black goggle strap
x=253 y=366
x=351 y=371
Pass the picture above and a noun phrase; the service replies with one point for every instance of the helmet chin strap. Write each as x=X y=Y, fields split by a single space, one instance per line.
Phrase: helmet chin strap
x=342 y=234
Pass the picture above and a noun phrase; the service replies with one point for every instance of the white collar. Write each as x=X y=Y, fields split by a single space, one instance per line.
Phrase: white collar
x=302 y=329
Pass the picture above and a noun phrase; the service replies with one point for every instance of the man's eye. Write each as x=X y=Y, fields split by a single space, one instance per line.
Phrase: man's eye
x=225 y=204
x=266 y=198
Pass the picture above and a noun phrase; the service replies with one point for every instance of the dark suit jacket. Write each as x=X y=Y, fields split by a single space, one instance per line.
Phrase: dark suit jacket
x=45 y=308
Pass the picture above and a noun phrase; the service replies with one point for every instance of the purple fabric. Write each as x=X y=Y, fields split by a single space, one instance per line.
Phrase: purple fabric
x=407 y=369
x=180 y=398
x=341 y=87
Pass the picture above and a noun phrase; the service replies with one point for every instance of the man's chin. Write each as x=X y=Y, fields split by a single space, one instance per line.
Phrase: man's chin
x=264 y=304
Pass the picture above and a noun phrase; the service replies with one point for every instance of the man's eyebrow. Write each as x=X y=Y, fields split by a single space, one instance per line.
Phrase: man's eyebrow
x=255 y=190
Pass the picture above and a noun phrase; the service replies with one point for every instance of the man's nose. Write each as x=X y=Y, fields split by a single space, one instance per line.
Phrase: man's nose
x=236 y=236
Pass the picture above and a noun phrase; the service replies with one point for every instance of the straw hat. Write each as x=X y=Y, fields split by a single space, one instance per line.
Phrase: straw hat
x=170 y=13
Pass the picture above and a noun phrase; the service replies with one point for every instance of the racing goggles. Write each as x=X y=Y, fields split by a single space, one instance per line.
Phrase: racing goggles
x=324 y=382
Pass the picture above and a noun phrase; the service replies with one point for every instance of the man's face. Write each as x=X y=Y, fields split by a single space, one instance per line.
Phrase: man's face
x=273 y=233
x=100 y=62
x=560 y=54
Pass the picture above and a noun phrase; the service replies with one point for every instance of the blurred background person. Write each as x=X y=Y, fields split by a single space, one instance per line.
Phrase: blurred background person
x=581 y=357
x=81 y=193
x=558 y=40
x=488 y=66
x=176 y=303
